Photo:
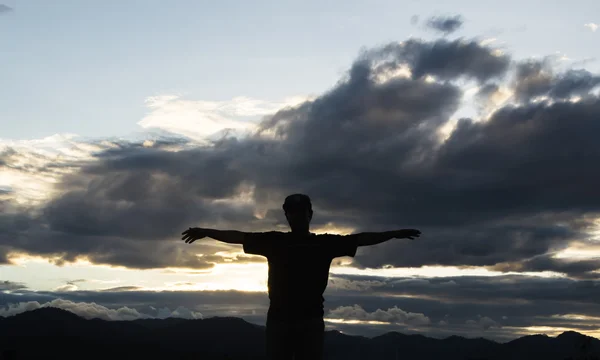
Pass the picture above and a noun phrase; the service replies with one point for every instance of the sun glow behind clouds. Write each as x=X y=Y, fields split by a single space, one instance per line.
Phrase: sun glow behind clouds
x=331 y=228
x=200 y=120
x=34 y=166
x=579 y=253
x=577 y=317
x=551 y=330
x=588 y=250
x=432 y=271
x=353 y=322
x=40 y=274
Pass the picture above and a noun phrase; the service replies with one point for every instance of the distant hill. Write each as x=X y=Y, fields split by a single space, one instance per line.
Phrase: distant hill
x=51 y=333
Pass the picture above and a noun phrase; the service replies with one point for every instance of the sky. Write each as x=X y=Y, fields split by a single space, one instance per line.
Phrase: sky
x=123 y=123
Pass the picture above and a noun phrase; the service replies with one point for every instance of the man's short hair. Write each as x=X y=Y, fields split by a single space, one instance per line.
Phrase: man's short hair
x=297 y=202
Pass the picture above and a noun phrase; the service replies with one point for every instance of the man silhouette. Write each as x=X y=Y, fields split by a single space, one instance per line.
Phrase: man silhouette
x=299 y=264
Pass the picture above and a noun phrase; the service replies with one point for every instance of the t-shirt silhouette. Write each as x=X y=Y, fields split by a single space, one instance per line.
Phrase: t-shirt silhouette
x=298 y=269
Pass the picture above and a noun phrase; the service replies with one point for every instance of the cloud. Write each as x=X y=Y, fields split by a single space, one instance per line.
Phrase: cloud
x=514 y=302
x=5 y=9
x=200 y=120
x=501 y=189
x=574 y=268
x=70 y=285
x=10 y=285
x=122 y=288
x=446 y=60
x=66 y=287
x=491 y=97
x=445 y=25
x=340 y=283
x=491 y=290
x=520 y=301
x=93 y=310
x=593 y=27
x=31 y=167
x=484 y=323
x=393 y=315
x=414 y=19
x=133 y=304
x=536 y=78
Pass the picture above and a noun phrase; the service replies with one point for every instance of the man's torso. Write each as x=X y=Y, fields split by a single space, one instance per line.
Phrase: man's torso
x=298 y=269
x=298 y=276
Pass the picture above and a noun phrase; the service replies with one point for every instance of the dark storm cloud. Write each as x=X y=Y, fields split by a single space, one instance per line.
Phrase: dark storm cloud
x=492 y=192
x=573 y=83
x=30 y=233
x=445 y=25
x=111 y=250
x=538 y=78
x=445 y=59
x=123 y=209
x=498 y=192
x=511 y=161
x=504 y=290
x=482 y=245
x=5 y=9
x=489 y=177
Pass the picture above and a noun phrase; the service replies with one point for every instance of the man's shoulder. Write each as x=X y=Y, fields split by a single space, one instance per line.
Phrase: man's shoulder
x=328 y=235
x=274 y=234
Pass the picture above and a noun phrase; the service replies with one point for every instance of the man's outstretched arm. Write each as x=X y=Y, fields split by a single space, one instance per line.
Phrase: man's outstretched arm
x=228 y=236
x=373 y=238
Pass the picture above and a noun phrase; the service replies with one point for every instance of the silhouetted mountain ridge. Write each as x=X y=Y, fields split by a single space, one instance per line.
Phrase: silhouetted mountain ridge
x=56 y=333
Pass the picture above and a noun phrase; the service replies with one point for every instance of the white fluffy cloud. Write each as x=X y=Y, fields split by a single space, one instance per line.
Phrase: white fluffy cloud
x=392 y=315
x=592 y=26
x=33 y=167
x=93 y=310
x=202 y=119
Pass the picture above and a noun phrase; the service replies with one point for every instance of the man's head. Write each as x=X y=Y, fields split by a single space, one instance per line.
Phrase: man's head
x=298 y=211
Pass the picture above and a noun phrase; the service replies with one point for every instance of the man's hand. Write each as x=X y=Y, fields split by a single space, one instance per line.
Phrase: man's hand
x=228 y=236
x=407 y=234
x=193 y=234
